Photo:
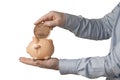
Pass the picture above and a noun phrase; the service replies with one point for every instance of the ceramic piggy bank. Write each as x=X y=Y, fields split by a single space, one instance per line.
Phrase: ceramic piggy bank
x=40 y=48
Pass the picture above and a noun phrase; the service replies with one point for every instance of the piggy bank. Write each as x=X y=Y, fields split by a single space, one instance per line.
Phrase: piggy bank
x=40 y=48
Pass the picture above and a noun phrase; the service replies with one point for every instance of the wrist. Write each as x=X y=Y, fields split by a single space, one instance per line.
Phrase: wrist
x=56 y=64
x=53 y=64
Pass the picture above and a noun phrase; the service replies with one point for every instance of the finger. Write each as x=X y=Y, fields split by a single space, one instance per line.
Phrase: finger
x=50 y=23
x=39 y=21
x=28 y=61
x=44 y=18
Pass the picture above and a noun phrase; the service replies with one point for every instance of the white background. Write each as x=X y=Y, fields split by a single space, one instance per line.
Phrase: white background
x=16 y=31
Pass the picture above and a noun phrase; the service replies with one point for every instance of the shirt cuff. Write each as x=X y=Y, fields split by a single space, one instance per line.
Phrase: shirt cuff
x=68 y=66
x=72 y=21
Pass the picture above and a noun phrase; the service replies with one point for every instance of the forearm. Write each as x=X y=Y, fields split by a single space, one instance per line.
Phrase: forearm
x=88 y=67
x=93 y=67
x=96 y=29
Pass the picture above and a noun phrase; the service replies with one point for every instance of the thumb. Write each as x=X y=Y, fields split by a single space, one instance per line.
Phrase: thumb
x=50 y=23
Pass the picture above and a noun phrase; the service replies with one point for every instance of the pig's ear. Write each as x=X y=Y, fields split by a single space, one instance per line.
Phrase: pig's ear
x=33 y=37
x=50 y=41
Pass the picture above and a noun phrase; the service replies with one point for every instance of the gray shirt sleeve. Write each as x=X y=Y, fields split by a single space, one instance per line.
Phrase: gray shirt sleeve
x=93 y=67
x=97 y=29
